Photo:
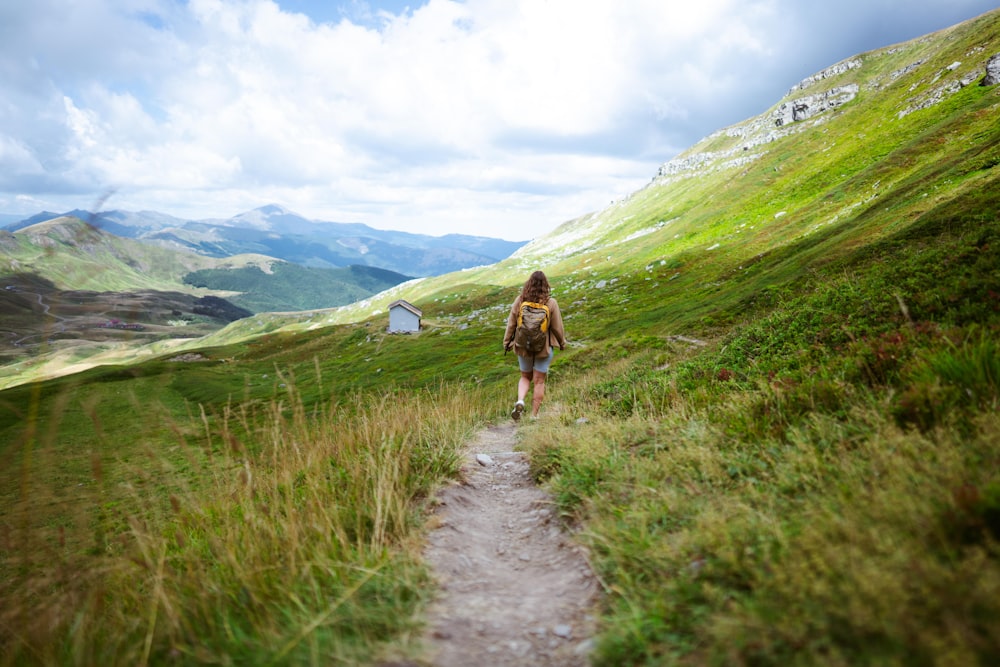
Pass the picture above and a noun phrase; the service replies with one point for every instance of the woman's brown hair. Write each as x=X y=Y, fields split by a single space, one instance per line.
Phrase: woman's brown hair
x=536 y=288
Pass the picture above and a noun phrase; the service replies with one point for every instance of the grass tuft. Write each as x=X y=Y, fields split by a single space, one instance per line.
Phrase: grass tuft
x=289 y=540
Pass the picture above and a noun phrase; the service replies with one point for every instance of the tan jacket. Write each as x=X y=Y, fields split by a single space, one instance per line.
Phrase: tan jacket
x=556 y=335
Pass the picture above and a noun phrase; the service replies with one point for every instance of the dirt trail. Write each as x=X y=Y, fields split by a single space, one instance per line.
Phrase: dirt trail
x=515 y=589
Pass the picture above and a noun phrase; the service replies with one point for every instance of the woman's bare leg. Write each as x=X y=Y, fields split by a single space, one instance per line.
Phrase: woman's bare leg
x=539 y=393
x=523 y=383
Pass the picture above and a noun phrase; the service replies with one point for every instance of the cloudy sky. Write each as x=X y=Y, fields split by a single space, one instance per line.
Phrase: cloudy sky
x=494 y=117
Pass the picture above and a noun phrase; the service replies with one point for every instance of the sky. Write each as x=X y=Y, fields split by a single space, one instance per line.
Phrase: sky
x=501 y=118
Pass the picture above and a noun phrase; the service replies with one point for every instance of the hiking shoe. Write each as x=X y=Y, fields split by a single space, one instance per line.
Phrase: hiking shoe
x=518 y=409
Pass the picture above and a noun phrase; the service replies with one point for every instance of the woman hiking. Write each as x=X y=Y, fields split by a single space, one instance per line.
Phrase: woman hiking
x=534 y=364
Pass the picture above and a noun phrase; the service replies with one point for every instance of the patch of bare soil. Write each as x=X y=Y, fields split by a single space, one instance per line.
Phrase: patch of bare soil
x=515 y=589
x=35 y=314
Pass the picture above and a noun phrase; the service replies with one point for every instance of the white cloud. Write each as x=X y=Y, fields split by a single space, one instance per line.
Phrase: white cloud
x=498 y=117
x=15 y=157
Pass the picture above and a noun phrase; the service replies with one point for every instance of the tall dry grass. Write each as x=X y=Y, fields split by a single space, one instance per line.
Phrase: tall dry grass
x=283 y=534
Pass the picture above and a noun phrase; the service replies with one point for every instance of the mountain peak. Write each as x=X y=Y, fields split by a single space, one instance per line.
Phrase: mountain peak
x=274 y=209
x=67 y=228
x=269 y=217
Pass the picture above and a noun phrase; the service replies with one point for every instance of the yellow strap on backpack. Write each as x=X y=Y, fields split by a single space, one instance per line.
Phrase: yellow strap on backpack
x=532 y=304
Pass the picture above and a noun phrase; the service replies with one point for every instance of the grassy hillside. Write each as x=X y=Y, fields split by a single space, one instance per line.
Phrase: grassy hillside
x=292 y=287
x=74 y=255
x=776 y=424
x=64 y=280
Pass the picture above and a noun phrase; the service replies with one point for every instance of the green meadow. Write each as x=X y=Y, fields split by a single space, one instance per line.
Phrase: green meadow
x=775 y=429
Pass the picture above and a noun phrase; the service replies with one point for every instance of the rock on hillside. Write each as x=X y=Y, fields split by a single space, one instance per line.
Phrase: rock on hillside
x=788 y=116
x=992 y=77
x=889 y=83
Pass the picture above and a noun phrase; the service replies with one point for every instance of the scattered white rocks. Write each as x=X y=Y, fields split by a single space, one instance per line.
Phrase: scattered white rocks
x=906 y=70
x=563 y=631
x=835 y=70
x=189 y=357
x=514 y=590
x=939 y=93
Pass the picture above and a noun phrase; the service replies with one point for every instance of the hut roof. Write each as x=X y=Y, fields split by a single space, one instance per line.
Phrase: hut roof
x=408 y=306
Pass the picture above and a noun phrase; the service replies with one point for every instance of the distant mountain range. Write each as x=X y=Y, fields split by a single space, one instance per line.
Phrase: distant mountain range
x=74 y=255
x=265 y=260
x=277 y=232
x=72 y=286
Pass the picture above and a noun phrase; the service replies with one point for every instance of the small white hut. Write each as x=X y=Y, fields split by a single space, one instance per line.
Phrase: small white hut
x=404 y=317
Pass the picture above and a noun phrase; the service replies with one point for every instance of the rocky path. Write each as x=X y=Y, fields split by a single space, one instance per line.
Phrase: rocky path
x=515 y=589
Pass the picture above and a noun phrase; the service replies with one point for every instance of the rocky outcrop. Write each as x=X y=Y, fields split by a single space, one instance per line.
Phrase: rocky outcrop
x=939 y=93
x=782 y=121
x=992 y=71
x=903 y=71
x=835 y=70
x=766 y=128
x=688 y=163
x=810 y=105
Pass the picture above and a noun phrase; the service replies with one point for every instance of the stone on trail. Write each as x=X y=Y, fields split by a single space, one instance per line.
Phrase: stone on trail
x=512 y=586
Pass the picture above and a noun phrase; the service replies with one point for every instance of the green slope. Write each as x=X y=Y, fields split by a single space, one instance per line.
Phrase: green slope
x=87 y=276
x=859 y=164
x=287 y=286
x=776 y=422
x=74 y=255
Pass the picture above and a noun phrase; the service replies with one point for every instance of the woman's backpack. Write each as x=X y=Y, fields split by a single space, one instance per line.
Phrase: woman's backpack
x=532 y=327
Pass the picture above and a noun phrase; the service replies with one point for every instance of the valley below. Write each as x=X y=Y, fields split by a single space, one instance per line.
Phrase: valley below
x=38 y=318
